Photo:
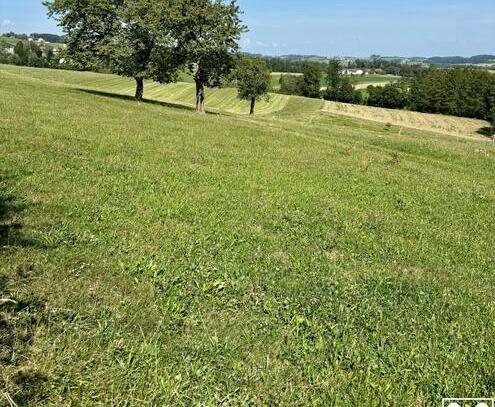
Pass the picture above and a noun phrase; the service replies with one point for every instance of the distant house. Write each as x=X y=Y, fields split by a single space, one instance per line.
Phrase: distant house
x=9 y=51
x=353 y=72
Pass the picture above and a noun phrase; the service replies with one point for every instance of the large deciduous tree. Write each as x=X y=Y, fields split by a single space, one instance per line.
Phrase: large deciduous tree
x=311 y=80
x=334 y=74
x=207 y=33
x=290 y=84
x=131 y=38
x=339 y=88
x=253 y=80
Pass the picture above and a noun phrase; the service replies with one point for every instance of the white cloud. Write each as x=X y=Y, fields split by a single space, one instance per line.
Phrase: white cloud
x=6 y=22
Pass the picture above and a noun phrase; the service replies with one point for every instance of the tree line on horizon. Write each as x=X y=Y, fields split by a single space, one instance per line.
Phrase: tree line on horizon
x=53 y=38
x=376 y=65
x=29 y=54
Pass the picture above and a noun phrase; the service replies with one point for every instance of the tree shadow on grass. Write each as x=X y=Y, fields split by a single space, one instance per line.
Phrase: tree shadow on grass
x=21 y=310
x=146 y=101
x=10 y=223
x=487 y=132
x=10 y=228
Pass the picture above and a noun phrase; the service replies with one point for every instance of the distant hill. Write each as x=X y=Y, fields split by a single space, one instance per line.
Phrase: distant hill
x=52 y=38
x=456 y=60
x=49 y=37
x=313 y=58
x=450 y=60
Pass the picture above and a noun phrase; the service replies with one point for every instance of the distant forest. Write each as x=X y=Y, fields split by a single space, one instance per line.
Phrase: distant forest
x=60 y=39
x=478 y=59
x=281 y=64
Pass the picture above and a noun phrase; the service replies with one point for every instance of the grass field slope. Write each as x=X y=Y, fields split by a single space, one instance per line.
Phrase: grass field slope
x=150 y=256
x=457 y=126
x=225 y=100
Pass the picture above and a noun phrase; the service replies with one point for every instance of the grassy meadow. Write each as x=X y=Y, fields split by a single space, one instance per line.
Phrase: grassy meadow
x=150 y=256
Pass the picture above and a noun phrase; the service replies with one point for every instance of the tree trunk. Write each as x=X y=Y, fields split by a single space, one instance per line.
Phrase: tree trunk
x=251 y=111
x=200 y=97
x=139 y=89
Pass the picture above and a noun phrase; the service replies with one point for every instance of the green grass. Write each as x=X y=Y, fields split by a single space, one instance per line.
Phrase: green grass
x=373 y=79
x=158 y=257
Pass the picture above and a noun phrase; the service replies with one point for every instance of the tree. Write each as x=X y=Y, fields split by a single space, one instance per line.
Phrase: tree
x=311 y=80
x=492 y=120
x=21 y=51
x=290 y=84
x=35 y=49
x=391 y=96
x=208 y=32
x=131 y=38
x=334 y=73
x=253 y=80
x=345 y=91
x=340 y=88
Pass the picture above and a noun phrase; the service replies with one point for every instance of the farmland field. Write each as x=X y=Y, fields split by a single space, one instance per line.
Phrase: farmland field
x=373 y=79
x=152 y=256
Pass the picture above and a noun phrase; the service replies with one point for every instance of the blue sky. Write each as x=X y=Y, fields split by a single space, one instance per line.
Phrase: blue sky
x=334 y=27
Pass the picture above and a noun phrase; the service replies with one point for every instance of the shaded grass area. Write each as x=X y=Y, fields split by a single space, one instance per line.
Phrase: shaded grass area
x=20 y=310
x=291 y=260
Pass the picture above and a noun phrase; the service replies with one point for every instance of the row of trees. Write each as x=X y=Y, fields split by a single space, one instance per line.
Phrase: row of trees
x=153 y=39
x=464 y=92
x=392 y=67
x=54 y=38
x=336 y=86
x=28 y=54
x=378 y=65
x=460 y=92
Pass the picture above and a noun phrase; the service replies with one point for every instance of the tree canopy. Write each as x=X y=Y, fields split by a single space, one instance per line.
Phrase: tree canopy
x=311 y=80
x=253 y=80
x=207 y=34
x=463 y=92
x=130 y=38
x=339 y=88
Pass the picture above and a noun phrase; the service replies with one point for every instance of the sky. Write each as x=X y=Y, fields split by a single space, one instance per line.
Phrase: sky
x=333 y=27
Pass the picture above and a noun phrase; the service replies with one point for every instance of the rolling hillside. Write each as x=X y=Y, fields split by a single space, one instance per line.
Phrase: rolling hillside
x=153 y=256
x=182 y=92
